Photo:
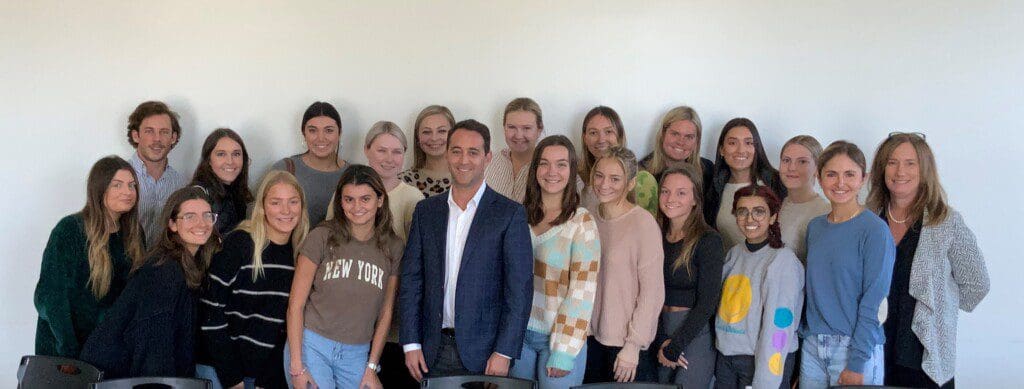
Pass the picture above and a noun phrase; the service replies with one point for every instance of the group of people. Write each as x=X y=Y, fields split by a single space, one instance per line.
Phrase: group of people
x=538 y=261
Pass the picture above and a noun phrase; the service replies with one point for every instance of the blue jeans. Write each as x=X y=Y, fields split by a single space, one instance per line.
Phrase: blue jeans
x=823 y=357
x=331 y=364
x=209 y=373
x=532 y=363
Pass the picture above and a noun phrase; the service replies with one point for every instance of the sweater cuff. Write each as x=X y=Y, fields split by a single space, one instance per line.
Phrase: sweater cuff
x=630 y=353
x=561 y=360
x=855 y=363
x=673 y=351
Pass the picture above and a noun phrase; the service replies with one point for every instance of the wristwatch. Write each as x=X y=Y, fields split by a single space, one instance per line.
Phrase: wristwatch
x=373 y=366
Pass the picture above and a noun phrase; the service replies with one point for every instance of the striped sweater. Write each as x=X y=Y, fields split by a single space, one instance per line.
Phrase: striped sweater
x=242 y=321
x=565 y=265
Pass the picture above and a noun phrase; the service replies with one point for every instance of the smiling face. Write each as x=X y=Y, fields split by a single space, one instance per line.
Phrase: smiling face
x=360 y=203
x=797 y=168
x=193 y=224
x=600 y=134
x=676 y=198
x=738 y=149
x=841 y=179
x=553 y=169
x=679 y=140
x=753 y=217
x=433 y=135
x=322 y=135
x=521 y=131
x=226 y=160
x=610 y=182
x=121 y=194
x=385 y=155
x=155 y=138
x=903 y=172
x=283 y=207
x=467 y=159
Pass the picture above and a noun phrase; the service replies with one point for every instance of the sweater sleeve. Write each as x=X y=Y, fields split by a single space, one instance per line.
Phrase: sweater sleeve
x=968 y=265
x=646 y=192
x=651 y=280
x=53 y=292
x=215 y=301
x=783 y=294
x=879 y=255
x=708 y=258
x=151 y=336
x=569 y=333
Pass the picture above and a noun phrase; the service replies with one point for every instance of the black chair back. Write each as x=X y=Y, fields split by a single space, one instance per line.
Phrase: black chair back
x=477 y=382
x=631 y=385
x=45 y=372
x=868 y=387
x=153 y=383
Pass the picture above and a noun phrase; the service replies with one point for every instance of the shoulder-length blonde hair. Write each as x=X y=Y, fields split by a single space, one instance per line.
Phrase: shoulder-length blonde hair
x=627 y=160
x=659 y=161
x=419 y=157
x=256 y=225
x=98 y=225
x=931 y=198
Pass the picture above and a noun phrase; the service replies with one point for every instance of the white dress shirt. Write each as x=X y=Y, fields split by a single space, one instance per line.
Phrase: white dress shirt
x=459 y=221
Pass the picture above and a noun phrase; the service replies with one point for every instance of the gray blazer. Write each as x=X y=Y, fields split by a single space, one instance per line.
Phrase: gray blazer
x=948 y=274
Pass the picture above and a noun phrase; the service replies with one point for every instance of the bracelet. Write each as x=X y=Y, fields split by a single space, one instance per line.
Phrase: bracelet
x=301 y=372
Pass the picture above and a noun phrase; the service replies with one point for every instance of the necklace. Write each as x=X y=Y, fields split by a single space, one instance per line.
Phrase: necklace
x=835 y=217
x=888 y=211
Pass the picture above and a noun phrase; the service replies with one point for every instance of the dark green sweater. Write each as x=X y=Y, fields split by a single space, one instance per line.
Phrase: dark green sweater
x=68 y=311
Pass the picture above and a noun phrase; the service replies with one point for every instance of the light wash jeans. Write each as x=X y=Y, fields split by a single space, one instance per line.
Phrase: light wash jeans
x=532 y=363
x=209 y=373
x=331 y=364
x=823 y=357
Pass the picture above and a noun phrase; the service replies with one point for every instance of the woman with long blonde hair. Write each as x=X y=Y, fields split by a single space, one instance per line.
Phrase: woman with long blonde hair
x=242 y=309
x=88 y=258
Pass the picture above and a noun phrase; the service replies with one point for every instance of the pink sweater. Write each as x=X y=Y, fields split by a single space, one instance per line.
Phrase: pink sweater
x=631 y=282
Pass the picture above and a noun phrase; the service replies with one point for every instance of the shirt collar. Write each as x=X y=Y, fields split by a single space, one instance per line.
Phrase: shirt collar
x=140 y=167
x=473 y=201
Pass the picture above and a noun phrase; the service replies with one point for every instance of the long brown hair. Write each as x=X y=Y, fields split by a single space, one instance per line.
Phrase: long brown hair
x=589 y=160
x=694 y=227
x=98 y=225
x=204 y=176
x=659 y=161
x=774 y=204
x=170 y=246
x=931 y=198
x=383 y=232
x=570 y=197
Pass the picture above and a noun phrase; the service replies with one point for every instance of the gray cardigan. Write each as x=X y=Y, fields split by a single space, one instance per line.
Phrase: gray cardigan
x=948 y=273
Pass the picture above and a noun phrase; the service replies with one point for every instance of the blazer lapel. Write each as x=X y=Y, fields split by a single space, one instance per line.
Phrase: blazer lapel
x=441 y=228
x=480 y=220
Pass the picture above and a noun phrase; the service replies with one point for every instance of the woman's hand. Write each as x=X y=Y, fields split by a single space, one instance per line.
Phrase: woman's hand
x=303 y=381
x=847 y=377
x=625 y=369
x=370 y=380
x=661 y=356
x=557 y=373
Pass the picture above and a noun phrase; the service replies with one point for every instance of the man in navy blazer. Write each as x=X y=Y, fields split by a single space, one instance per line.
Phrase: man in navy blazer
x=467 y=274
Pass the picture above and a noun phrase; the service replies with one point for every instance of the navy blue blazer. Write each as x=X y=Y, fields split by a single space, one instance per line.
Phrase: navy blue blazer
x=494 y=291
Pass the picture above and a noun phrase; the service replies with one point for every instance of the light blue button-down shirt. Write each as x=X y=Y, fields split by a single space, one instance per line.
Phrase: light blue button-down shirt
x=153 y=194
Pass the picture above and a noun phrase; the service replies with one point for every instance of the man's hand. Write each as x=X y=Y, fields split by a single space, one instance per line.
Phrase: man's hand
x=416 y=364
x=497 y=365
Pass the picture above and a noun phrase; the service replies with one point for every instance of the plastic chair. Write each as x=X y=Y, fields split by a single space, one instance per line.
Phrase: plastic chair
x=154 y=382
x=42 y=372
x=630 y=385
x=477 y=381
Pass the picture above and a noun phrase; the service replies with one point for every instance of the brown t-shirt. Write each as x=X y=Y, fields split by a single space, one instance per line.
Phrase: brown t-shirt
x=349 y=285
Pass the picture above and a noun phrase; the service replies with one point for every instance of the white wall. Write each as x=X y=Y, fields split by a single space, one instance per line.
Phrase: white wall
x=70 y=72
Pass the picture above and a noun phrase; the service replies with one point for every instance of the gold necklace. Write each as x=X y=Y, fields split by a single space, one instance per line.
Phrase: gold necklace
x=888 y=211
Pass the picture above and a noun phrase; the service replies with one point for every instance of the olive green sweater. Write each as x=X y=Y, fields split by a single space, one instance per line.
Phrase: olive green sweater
x=68 y=311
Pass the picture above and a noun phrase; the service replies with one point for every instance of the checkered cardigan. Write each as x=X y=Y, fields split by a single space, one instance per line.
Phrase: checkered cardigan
x=566 y=259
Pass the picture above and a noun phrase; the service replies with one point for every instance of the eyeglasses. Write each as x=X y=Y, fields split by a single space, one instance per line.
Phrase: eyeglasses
x=758 y=213
x=917 y=134
x=191 y=217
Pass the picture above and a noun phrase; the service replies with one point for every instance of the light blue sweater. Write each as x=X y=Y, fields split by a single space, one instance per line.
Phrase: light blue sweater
x=849 y=270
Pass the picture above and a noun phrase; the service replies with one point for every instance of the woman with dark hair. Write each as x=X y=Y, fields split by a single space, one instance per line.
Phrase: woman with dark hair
x=242 y=307
x=850 y=255
x=429 y=172
x=319 y=168
x=602 y=129
x=87 y=259
x=224 y=172
x=740 y=160
x=150 y=330
x=693 y=282
x=939 y=267
x=343 y=293
x=762 y=296
x=566 y=252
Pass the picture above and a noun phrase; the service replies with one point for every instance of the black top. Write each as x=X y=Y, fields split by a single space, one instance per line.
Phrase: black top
x=229 y=212
x=901 y=342
x=150 y=329
x=242 y=330
x=716 y=185
x=753 y=247
x=700 y=289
